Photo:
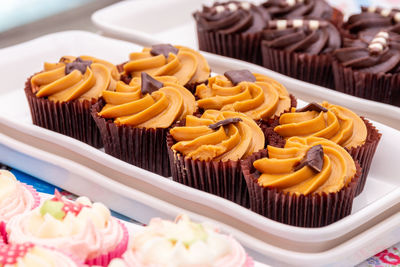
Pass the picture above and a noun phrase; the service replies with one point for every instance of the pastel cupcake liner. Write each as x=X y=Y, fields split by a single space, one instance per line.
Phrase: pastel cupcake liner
x=35 y=195
x=362 y=154
x=144 y=148
x=236 y=45
x=249 y=262
x=105 y=259
x=3 y=233
x=224 y=179
x=70 y=118
x=315 y=69
x=380 y=87
x=314 y=210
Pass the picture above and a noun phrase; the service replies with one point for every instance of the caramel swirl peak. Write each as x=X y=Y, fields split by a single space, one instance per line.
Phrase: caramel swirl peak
x=77 y=64
x=149 y=84
x=238 y=76
x=314 y=159
x=225 y=122
x=163 y=49
x=278 y=170
x=312 y=107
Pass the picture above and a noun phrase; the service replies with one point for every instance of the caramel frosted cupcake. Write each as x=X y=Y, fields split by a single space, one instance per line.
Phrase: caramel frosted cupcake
x=134 y=120
x=60 y=96
x=255 y=95
x=301 y=49
x=369 y=67
x=301 y=9
x=231 y=29
x=371 y=20
x=205 y=152
x=188 y=66
x=338 y=124
x=310 y=182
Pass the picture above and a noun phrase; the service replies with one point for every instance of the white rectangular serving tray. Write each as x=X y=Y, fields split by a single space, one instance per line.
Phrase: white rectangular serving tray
x=139 y=194
x=158 y=21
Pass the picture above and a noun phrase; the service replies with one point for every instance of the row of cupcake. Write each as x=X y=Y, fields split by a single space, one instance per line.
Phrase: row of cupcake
x=308 y=40
x=62 y=232
x=154 y=122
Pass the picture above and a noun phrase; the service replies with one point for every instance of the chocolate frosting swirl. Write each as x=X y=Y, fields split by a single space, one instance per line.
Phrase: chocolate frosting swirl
x=371 y=53
x=373 y=19
x=304 y=36
x=232 y=17
x=290 y=9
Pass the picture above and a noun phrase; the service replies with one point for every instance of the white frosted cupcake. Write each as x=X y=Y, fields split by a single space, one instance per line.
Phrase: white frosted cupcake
x=182 y=244
x=81 y=228
x=31 y=255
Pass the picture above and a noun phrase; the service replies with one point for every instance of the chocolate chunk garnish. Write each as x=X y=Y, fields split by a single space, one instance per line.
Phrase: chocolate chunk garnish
x=149 y=84
x=314 y=159
x=163 y=49
x=312 y=107
x=237 y=76
x=224 y=123
x=77 y=64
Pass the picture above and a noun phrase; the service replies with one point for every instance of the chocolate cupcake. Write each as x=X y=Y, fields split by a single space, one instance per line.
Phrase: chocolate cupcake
x=371 y=20
x=301 y=49
x=231 y=29
x=303 y=9
x=134 y=120
x=205 y=152
x=60 y=96
x=311 y=182
x=255 y=95
x=369 y=67
x=338 y=124
x=187 y=65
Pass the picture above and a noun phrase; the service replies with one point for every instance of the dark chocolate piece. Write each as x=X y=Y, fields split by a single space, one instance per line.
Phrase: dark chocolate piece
x=314 y=159
x=312 y=107
x=237 y=76
x=77 y=64
x=163 y=49
x=149 y=84
x=218 y=124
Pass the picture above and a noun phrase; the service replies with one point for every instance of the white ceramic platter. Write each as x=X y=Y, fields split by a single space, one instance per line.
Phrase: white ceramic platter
x=159 y=21
x=139 y=194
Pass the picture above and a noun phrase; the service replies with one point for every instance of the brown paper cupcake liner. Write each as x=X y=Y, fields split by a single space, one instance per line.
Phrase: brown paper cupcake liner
x=240 y=46
x=315 y=69
x=144 y=148
x=71 y=118
x=362 y=154
x=224 y=179
x=314 y=210
x=381 y=87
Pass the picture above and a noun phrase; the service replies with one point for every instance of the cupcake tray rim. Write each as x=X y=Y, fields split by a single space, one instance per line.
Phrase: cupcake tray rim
x=25 y=146
x=117 y=20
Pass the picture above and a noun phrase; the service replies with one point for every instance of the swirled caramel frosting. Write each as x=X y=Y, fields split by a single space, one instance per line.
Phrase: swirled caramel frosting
x=219 y=136
x=292 y=169
x=303 y=36
x=187 y=65
x=373 y=19
x=148 y=102
x=378 y=53
x=292 y=9
x=328 y=121
x=232 y=17
x=255 y=95
x=82 y=78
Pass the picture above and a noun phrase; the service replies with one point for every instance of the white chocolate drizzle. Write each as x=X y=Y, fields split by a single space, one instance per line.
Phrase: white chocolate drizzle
x=379 y=43
x=293 y=2
x=385 y=12
x=296 y=23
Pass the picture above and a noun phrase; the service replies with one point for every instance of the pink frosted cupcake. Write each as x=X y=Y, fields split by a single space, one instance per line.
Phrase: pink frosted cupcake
x=31 y=255
x=182 y=243
x=81 y=228
x=15 y=198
